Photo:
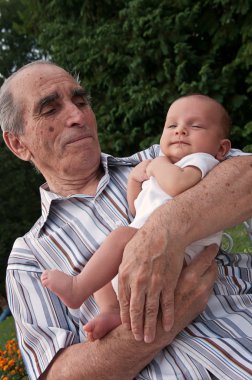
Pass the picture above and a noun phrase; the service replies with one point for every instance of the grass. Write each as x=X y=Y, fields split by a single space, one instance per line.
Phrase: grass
x=7 y=331
x=241 y=241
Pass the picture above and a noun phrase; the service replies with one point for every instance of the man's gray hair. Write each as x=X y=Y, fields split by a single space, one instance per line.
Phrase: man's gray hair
x=11 y=113
x=11 y=118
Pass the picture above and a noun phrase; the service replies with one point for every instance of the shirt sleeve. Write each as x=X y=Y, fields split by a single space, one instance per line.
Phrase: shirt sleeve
x=203 y=161
x=44 y=325
x=237 y=152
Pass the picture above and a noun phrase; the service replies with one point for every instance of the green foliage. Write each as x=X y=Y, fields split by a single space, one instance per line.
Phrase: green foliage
x=19 y=201
x=241 y=241
x=15 y=47
x=137 y=56
x=18 y=186
x=7 y=331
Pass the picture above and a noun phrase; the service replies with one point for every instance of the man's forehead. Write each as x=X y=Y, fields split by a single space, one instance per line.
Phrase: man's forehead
x=39 y=79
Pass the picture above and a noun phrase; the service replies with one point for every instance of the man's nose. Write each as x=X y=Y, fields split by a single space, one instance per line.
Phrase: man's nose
x=74 y=115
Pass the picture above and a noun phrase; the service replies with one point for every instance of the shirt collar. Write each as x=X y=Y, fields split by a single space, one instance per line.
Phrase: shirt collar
x=48 y=197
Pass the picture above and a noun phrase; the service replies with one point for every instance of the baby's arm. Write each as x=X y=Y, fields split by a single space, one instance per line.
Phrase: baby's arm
x=136 y=178
x=171 y=178
x=109 y=317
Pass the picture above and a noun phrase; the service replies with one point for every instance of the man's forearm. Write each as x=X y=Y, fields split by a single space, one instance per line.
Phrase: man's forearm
x=117 y=356
x=222 y=199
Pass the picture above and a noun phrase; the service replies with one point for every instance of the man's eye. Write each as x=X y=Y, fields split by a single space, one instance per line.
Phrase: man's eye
x=196 y=126
x=49 y=111
x=81 y=102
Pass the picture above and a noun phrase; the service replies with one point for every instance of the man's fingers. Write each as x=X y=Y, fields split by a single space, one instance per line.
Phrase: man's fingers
x=142 y=309
x=205 y=287
x=167 y=308
x=210 y=276
x=146 y=284
x=197 y=279
x=150 y=317
x=202 y=262
x=124 y=301
x=132 y=302
x=154 y=301
x=137 y=303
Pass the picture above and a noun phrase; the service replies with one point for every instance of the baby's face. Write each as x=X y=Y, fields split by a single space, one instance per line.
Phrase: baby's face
x=193 y=124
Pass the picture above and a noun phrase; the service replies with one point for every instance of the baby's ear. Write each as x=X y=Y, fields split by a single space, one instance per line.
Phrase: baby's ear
x=15 y=144
x=225 y=146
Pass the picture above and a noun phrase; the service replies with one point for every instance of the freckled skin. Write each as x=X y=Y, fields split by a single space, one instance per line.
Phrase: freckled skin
x=51 y=129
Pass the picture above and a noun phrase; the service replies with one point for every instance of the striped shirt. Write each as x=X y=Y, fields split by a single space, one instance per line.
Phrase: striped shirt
x=218 y=343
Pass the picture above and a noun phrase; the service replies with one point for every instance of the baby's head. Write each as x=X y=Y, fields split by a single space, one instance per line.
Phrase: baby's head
x=196 y=123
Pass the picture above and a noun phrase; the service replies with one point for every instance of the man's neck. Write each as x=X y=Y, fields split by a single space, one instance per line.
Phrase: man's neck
x=67 y=186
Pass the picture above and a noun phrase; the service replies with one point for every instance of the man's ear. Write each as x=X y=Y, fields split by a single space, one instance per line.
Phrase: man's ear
x=15 y=144
x=225 y=146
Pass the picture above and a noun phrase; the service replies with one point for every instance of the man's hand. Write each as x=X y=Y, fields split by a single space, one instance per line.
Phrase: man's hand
x=140 y=306
x=148 y=277
x=194 y=287
x=196 y=283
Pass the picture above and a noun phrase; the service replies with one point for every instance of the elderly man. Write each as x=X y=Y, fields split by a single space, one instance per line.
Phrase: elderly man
x=47 y=120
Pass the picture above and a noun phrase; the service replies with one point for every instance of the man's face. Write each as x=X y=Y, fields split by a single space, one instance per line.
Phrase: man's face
x=193 y=124
x=60 y=132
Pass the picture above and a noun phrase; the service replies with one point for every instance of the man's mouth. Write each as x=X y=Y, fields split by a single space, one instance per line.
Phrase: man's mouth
x=75 y=139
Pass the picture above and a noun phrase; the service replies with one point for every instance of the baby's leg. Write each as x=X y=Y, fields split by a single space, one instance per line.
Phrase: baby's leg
x=74 y=290
x=109 y=318
x=64 y=286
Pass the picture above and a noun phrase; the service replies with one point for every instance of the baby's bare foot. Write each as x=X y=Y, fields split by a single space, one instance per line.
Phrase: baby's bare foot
x=63 y=286
x=98 y=327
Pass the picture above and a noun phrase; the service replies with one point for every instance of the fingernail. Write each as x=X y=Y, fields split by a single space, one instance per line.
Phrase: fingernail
x=167 y=327
x=167 y=324
x=148 y=339
x=138 y=337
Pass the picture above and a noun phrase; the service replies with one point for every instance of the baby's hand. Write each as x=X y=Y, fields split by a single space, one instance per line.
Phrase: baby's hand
x=154 y=165
x=139 y=173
